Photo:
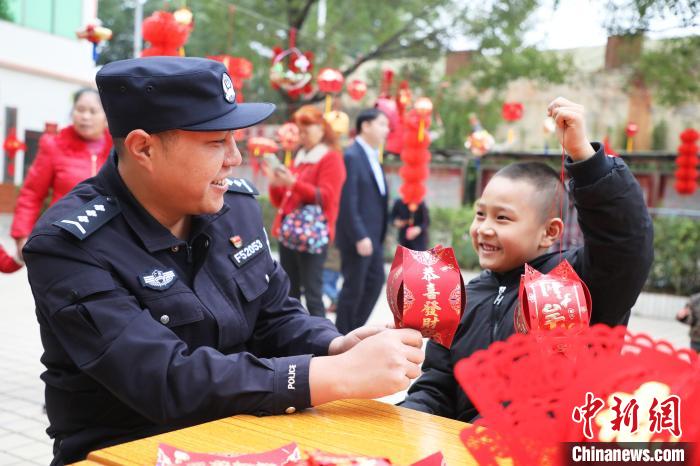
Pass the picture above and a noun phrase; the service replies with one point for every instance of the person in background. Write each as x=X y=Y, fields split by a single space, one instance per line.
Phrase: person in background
x=65 y=159
x=411 y=225
x=318 y=174
x=690 y=314
x=362 y=222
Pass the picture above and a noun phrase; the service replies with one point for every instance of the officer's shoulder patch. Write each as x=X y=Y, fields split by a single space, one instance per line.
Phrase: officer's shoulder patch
x=240 y=185
x=84 y=221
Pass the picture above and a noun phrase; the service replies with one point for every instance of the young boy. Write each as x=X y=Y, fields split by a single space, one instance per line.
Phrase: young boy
x=516 y=221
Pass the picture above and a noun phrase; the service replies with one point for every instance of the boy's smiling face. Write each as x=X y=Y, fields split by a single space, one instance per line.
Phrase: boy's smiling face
x=510 y=226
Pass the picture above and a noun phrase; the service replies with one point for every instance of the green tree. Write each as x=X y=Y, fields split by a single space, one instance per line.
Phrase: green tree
x=673 y=70
x=5 y=11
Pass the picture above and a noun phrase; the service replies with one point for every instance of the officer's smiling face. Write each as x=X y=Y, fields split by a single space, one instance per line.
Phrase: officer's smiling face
x=193 y=168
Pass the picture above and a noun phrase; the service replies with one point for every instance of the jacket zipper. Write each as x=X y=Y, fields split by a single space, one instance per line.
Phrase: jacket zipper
x=495 y=312
x=94 y=164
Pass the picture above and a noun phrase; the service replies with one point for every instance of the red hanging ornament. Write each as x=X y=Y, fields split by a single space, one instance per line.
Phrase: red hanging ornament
x=259 y=145
x=687 y=162
x=291 y=71
x=11 y=146
x=415 y=154
x=512 y=111
x=165 y=34
x=357 y=89
x=330 y=81
x=288 y=135
x=630 y=131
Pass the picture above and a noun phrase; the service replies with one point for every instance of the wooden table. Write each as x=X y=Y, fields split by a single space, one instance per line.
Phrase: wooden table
x=362 y=427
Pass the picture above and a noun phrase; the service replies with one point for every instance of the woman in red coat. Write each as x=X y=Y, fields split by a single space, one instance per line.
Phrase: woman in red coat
x=318 y=170
x=64 y=160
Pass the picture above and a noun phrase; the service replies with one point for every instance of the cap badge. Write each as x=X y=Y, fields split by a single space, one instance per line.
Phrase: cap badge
x=229 y=91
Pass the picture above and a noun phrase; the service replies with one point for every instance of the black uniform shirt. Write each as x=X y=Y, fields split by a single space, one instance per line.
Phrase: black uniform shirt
x=144 y=332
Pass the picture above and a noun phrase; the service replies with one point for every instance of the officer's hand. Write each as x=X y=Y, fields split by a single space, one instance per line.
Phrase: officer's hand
x=342 y=344
x=570 y=121
x=20 y=242
x=379 y=365
x=683 y=313
x=364 y=247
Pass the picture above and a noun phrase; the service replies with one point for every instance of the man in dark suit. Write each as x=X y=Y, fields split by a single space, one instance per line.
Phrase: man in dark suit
x=362 y=222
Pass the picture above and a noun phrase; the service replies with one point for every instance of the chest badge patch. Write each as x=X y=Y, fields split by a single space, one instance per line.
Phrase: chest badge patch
x=247 y=252
x=158 y=280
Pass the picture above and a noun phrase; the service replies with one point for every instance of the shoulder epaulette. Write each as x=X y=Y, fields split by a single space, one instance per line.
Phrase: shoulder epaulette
x=240 y=185
x=86 y=220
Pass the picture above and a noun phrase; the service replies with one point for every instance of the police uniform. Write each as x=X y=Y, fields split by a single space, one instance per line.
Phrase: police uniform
x=144 y=332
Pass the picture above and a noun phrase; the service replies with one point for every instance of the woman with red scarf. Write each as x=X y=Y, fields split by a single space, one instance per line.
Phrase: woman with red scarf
x=318 y=172
x=77 y=152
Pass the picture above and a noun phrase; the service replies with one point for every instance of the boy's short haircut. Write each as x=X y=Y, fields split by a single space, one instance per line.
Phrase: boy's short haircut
x=548 y=186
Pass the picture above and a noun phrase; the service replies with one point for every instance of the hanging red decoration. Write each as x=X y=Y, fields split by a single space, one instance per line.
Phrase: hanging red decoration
x=512 y=111
x=404 y=97
x=415 y=154
x=288 y=136
x=12 y=145
x=630 y=130
x=687 y=163
x=238 y=68
x=330 y=81
x=165 y=35
x=291 y=71
x=608 y=147
x=96 y=34
x=260 y=145
x=357 y=89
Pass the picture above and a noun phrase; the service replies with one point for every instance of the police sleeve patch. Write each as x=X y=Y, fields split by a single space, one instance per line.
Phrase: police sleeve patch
x=247 y=252
x=84 y=221
x=240 y=185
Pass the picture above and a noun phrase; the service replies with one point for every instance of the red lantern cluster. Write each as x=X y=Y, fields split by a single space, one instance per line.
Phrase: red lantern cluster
x=165 y=34
x=687 y=162
x=11 y=146
x=239 y=69
x=512 y=111
x=415 y=154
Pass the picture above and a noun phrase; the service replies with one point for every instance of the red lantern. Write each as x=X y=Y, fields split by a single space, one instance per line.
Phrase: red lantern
x=259 y=145
x=291 y=71
x=330 y=80
x=165 y=34
x=415 y=154
x=11 y=146
x=288 y=135
x=512 y=111
x=687 y=162
x=357 y=89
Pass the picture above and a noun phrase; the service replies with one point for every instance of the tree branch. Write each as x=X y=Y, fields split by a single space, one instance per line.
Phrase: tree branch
x=298 y=22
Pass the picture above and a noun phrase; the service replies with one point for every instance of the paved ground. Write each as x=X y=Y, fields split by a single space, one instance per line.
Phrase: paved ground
x=23 y=440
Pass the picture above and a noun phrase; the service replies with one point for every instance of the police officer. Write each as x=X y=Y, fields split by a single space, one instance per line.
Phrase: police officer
x=159 y=303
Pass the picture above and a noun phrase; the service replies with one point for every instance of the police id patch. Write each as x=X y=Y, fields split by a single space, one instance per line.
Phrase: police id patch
x=247 y=252
x=239 y=185
x=157 y=279
x=84 y=221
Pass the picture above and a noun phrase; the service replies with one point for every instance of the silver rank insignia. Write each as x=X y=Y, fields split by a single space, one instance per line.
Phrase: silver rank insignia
x=88 y=218
x=158 y=280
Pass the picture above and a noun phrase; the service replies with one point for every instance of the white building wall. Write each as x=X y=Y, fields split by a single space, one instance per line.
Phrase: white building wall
x=39 y=72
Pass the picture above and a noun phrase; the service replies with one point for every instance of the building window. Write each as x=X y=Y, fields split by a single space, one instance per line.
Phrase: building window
x=60 y=17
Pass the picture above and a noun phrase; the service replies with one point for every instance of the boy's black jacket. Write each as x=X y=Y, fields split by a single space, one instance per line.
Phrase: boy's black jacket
x=614 y=262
